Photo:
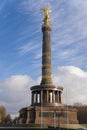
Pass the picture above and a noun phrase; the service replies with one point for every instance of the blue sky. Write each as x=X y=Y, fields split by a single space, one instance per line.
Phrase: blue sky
x=21 y=43
x=21 y=36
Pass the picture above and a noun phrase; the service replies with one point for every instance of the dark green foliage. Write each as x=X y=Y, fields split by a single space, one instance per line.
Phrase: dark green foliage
x=7 y=120
x=82 y=114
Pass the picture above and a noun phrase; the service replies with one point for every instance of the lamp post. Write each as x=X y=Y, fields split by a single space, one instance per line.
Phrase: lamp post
x=59 y=122
x=54 y=117
x=59 y=115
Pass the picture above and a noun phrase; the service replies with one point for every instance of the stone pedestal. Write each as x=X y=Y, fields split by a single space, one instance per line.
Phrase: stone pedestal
x=51 y=116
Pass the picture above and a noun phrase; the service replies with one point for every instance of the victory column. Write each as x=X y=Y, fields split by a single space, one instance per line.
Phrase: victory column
x=46 y=104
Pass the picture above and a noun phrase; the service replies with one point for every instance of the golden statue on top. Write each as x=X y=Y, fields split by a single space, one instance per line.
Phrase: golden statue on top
x=46 y=11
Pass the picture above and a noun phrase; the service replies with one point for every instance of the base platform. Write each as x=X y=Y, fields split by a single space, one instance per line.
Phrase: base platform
x=51 y=115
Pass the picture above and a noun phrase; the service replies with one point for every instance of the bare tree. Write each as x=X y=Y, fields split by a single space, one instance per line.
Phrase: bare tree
x=7 y=120
x=78 y=104
x=2 y=113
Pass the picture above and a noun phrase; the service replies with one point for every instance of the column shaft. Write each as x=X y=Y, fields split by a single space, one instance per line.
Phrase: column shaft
x=32 y=97
x=59 y=97
x=46 y=56
x=53 y=93
x=36 y=97
x=47 y=96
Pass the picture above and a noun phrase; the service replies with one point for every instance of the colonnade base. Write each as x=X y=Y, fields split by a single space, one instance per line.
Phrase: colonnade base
x=51 y=115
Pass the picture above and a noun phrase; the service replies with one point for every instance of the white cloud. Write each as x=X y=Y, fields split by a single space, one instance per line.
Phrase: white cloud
x=16 y=93
x=69 y=30
x=28 y=47
x=80 y=4
x=74 y=82
x=2 y=5
x=69 y=36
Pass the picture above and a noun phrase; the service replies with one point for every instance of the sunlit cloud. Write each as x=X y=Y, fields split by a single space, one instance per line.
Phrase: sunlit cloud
x=2 y=4
x=68 y=28
x=74 y=82
x=27 y=48
x=16 y=92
